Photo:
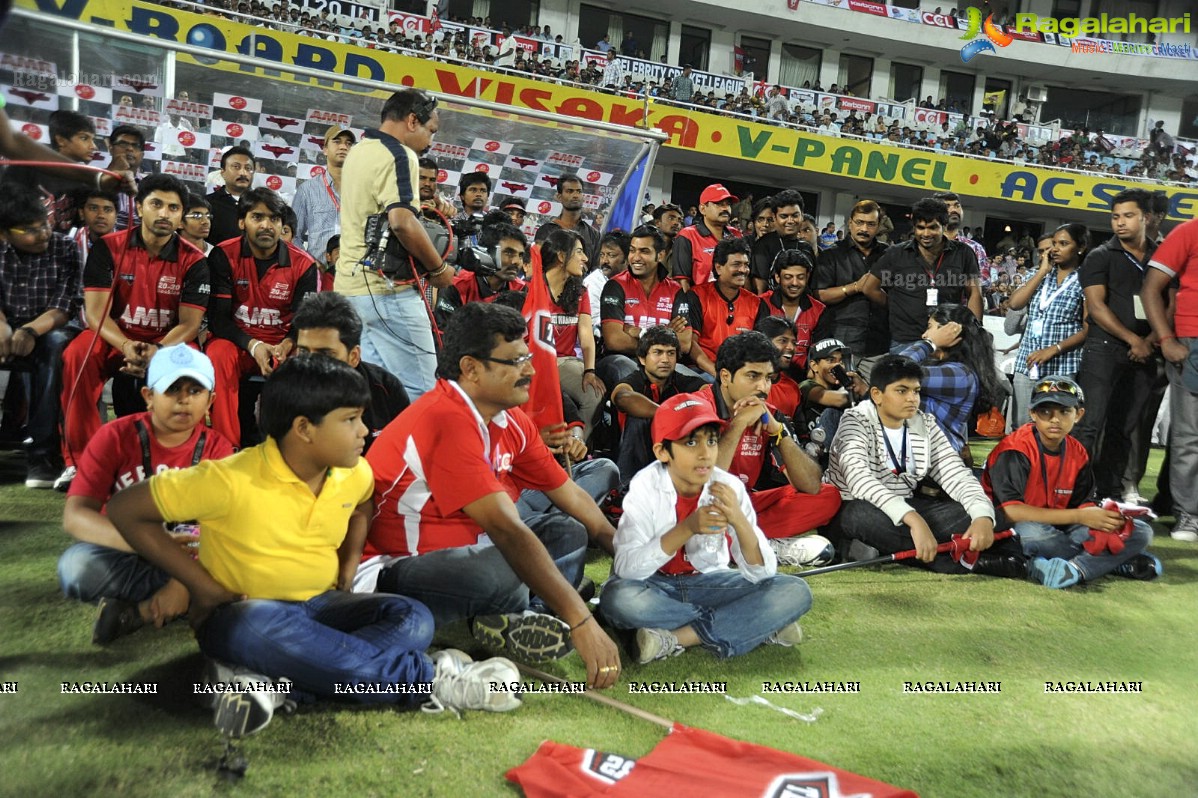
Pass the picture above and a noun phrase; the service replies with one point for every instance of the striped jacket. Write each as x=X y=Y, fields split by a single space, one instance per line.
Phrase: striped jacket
x=860 y=467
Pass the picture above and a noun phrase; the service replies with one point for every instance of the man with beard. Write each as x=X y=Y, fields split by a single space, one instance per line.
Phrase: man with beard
x=474 y=191
x=838 y=278
x=955 y=214
x=635 y=300
x=258 y=282
x=788 y=215
x=613 y=260
x=430 y=197
x=791 y=301
x=691 y=257
x=668 y=219
x=317 y=203
x=237 y=167
x=508 y=250
x=128 y=147
x=911 y=279
x=720 y=309
x=569 y=196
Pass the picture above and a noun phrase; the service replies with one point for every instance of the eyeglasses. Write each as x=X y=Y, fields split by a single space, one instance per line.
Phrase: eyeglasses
x=517 y=361
x=198 y=216
x=31 y=230
x=1057 y=386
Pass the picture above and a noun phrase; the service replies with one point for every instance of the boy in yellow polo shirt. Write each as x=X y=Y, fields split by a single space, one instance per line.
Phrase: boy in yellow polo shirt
x=281 y=531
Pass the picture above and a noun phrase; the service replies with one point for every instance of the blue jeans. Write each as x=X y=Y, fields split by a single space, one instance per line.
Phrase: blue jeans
x=397 y=334
x=730 y=614
x=332 y=638
x=88 y=572
x=1045 y=540
x=45 y=365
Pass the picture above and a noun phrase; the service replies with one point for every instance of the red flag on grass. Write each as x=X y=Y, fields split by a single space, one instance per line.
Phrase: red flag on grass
x=544 y=405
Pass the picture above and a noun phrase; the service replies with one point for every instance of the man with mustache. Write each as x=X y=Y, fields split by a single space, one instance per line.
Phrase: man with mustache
x=690 y=259
x=237 y=167
x=788 y=216
x=258 y=282
x=837 y=280
x=715 y=311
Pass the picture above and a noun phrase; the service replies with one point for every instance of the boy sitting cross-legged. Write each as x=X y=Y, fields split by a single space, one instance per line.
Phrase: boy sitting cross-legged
x=1040 y=480
x=672 y=581
x=170 y=434
x=282 y=528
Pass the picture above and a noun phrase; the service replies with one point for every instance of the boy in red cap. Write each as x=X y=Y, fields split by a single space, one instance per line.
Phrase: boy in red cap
x=684 y=519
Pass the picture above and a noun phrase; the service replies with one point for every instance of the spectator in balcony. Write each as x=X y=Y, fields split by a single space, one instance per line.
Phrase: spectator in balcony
x=683 y=88
x=928 y=103
x=826 y=128
x=778 y=104
x=629 y=46
x=603 y=45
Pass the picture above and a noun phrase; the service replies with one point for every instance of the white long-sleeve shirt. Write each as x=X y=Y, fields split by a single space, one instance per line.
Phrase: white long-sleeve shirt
x=650 y=512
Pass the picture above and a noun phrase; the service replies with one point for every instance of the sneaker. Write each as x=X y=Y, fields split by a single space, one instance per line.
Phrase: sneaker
x=655 y=644
x=1134 y=497
x=459 y=684
x=587 y=590
x=1056 y=573
x=805 y=550
x=115 y=618
x=788 y=636
x=1186 y=528
x=529 y=637
x=63 y=483
x=42 y=473
x=240 y=714
x=859 y=551
x=1143 y=566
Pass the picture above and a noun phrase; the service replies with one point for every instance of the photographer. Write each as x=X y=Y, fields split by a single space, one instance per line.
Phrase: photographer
x=493 y=266
x=380 y=176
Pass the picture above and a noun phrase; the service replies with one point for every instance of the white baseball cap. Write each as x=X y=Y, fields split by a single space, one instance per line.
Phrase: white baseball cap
x=170 y=363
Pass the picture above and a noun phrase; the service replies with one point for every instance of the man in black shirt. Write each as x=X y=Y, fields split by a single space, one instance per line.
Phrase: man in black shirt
x=839 y=274
x=237 y=167
x=913 y=278
x=788 y=215
x=569 y=195
x=1119 y=359
x=327 y=324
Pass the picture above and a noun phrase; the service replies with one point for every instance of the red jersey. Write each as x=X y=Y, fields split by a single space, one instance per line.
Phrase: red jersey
x=1178 y=257
x=810 y=312
x=753 y=449
x=623 y=301
x=692 y=260
x=679 y=564
x=1021 y=471
x=716 y=318
x=263 y=300
x=786 y=396
x=437 y=457
x=147 y=291
x=115 y=459
x=469 y=290
x=565 y=325
x=690 y=762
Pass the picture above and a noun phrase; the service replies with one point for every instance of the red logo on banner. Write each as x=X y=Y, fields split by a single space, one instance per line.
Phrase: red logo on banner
x=317 y=171
x=274 y=182
x=237 y=102
x=491 y=146
x=234 y=130
x=32 y=131
x=187 y=138
x=84 y=91
x=939 y=20
x=544 y=207
x=593 y=177
x=484 y=168
x=442 y=175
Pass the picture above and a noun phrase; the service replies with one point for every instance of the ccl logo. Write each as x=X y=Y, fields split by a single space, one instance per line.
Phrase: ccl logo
x=993 y=36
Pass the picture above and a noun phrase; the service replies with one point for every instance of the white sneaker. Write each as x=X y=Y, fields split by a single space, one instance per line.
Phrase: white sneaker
x=63 y=483
x=460 y=683
x=1134 y=497
x=788 y=636
x=1186 y=528
x=240 y=714
x=805 y=550
x=655 y=644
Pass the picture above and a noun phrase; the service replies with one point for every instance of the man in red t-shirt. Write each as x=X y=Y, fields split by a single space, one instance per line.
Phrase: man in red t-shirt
x=142 y=289
x=784 y=483
x=1177 y=259
x=446 y=530
x=507 y=249
x=725 y=307
x=258 y=282
x=170 y=434
x=691 y=256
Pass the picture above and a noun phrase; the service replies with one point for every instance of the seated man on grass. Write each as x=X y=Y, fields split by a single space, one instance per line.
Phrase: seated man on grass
x=684 y=520
x=282 y=526
x=170 y=434
x=883 y=451
x=1040 y=478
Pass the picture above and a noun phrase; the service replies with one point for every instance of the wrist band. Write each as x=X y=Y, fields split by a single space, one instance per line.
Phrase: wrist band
x=30 y=332
x=589 y=617
x=254 y=346
x=1167 y=338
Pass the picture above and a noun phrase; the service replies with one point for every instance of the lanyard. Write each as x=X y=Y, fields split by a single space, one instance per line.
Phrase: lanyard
x=144 y=436
x=1047 y=298
x=328 y=186
x=1050 y=487
x=1134 y=262
x=932 y=275
x=900 y=463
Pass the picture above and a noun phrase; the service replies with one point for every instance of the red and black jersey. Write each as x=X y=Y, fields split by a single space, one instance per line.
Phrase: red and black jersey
x=1021 y=471
x=714 y=317
x=147 y=291
x=693 y=247
x=263 y=295
x=468 y=286
x=806 y=323
x=623 y=301
x=753 y=458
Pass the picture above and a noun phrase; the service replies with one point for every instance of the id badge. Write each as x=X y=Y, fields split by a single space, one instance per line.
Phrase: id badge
x=1138 y=305
x=933 y=297
x=1037 y=328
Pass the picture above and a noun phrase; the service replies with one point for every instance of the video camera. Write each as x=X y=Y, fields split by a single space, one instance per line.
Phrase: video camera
x=385 y=253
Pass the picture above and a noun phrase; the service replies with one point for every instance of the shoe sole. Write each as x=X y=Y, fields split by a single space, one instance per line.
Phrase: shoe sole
x=1053 y=574
x=1186 y=536
x=539 y=638
x=1143 y=570
x=41 y=484
x=238 y=715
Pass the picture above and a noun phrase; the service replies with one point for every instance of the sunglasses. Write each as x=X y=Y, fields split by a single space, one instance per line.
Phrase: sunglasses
x=1057 y=386
x=31 y=230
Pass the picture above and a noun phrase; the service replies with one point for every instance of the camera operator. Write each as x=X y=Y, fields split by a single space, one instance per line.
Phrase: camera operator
x=474 y=191
x=493 y=266
x=380 y=176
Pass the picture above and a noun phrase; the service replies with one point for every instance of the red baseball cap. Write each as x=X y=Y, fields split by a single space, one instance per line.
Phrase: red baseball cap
x=682 y=414
x=715 y=193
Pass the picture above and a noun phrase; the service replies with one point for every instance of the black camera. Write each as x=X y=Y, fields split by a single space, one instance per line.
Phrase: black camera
x=842 y=377
x=387 y=255
x=478 y=260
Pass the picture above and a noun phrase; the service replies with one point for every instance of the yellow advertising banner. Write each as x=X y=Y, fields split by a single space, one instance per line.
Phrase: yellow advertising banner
x=694 y=131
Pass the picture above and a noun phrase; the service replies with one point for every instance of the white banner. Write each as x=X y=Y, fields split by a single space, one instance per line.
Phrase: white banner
x=237 y=103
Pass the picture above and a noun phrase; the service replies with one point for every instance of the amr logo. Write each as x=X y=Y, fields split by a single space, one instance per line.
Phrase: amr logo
x=993 y=36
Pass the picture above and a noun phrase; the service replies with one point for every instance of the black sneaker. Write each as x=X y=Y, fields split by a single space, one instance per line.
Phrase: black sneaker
x=1144 y=567
x=586 y=589
x=1007 y=566
x=115 y=618
x=42 y=473
x=530 y=637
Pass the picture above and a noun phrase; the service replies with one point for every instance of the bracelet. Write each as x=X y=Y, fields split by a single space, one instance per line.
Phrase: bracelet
x=588 y=371
x=32 y=333
x=254 y=346
x=1164 y=338
x=844 y=291
x=578 y=625
x=1059 y=349
x=438 y=272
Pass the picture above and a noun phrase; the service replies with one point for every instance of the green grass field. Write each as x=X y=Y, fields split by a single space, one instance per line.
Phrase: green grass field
x=879 y=628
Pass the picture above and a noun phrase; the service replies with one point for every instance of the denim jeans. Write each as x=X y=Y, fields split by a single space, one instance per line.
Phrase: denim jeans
x=88 y=572
x=1045 y=540
x=397 y=335
x=332 y=638
x=45 y=389
x=730 y=614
